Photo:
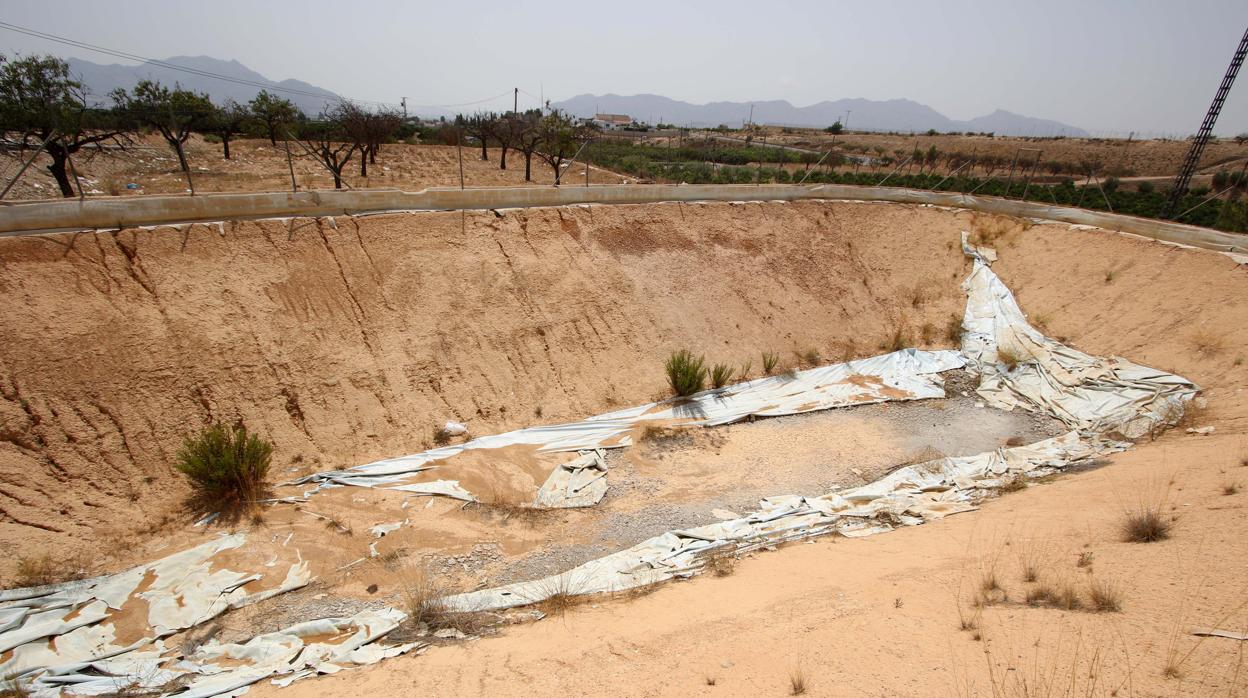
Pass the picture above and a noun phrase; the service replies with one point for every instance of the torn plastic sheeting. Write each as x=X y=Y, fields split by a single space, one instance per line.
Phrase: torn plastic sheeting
x=908 y=496
x=909 y=374
x=581 y=482
x=66 y=625
x=445 y=488
x=1085 y=392
x=214 y=669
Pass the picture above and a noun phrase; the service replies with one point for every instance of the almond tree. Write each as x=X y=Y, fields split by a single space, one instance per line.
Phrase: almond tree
x=174 y=113
x=226 y=122
x=41 y=104
x=274 y=113
x=561 y=137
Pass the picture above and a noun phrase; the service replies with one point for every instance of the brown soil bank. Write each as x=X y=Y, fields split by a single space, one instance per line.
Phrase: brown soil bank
x=348 y=340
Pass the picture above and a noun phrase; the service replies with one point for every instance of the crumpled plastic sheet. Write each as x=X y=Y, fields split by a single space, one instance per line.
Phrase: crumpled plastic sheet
x=909 y=374
x=1085 y=392
x=56 y=629
x=581 y=482
x=323 y=646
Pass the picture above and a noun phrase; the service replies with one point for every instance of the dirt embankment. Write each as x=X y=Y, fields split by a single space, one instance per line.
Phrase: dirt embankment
x=348 y=340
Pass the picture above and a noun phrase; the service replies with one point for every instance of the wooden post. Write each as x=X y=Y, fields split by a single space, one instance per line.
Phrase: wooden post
x=22 y=169
x=290 y=163
x=78 y=180
x=459 y=148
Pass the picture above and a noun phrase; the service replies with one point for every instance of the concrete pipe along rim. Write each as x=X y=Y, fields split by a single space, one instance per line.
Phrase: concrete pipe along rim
x=41 y=217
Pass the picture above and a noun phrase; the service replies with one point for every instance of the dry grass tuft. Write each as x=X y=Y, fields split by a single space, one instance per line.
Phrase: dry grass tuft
x=1110 y=275
x=1145 y=525
x=424 y=599
x=1208 y=341
x=1230 y=488
x=1014 y=484
x=1105 y=596
x=797 y=681
x=43 y=569
x=900 y=338
x=1010 y=357
x=711 y=680
x=809 y=356
x=1063 y=596
x=721 y=562
x=927 y=333
x=953 y=329
x=1085 y=559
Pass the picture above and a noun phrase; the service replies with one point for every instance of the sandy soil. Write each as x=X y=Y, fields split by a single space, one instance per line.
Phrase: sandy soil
x=256 y=165
x=366 y=335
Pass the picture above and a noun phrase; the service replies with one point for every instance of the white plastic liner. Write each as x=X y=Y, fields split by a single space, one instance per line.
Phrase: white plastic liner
x=581 y=482
x=1086 y=392
x=58 y=628
x=323 y=646
x=909 y=374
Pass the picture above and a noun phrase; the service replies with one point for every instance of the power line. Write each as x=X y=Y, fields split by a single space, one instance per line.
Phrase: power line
x=239 y=81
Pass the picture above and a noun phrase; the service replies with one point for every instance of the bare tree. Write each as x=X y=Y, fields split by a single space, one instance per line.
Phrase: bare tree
x=528 y=138
x=480 y=126
x=327 y=141
x=367 y=130
x=507 y=131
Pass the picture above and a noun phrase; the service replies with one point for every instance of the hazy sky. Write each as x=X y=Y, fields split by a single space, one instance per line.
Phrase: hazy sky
x=1110 y=65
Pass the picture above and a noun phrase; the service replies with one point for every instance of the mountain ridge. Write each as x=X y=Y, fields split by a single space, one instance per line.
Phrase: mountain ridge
x=875 y=115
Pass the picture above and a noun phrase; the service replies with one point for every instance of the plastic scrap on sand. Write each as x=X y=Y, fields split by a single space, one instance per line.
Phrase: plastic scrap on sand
x=66 y=638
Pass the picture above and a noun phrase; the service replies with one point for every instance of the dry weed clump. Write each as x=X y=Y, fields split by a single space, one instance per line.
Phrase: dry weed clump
x=953 y=329
x=809 y=357
x=44 y=569
x=1105 y=596
x=1230 y=488
x=720 y=562
x=1208 y=342
x=900 y=338
x=558 y=595
x=797 y=681
x=424 y=600
x=1011 y=357
x=1145 y=524
x=1063 y=596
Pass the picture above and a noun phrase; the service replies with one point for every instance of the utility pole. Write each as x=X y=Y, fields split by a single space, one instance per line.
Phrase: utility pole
x=1184 y=178
x=515 y=100
x=404 y=103
x=751 y=116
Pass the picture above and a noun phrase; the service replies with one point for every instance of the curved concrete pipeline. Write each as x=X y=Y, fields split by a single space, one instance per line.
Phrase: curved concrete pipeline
x=34 y=218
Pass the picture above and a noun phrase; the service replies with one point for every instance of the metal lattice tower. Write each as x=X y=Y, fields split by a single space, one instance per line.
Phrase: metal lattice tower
x=1184 y=177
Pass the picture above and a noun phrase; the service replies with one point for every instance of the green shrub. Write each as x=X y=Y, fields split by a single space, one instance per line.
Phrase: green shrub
x=226 y=466
x=686 y=374
x=1146 y=187
x=720 y=375
x=770 y=359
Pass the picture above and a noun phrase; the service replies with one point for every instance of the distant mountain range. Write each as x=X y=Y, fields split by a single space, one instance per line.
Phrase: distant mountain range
x=865 y=114
x=890 y=115
x=103 y=79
